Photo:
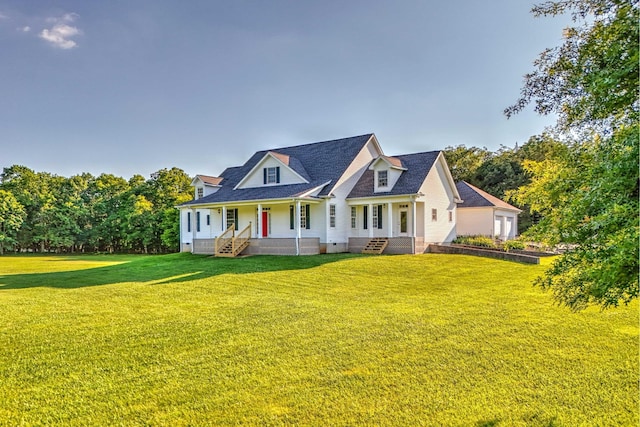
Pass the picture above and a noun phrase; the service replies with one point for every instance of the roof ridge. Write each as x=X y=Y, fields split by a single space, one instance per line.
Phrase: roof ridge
x=317 y=142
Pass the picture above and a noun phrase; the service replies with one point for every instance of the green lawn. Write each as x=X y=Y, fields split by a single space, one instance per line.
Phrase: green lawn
x=442 y=340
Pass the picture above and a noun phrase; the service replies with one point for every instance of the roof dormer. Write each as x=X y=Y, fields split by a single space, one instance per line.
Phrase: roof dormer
x=386 y=172
x=275 y=169
x=205 y=185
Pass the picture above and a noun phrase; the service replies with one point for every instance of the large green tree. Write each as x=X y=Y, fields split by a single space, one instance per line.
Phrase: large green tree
x=11 y=218
x=587 y=196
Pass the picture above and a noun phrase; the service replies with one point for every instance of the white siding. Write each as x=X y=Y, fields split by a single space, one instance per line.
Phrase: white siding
x=475 y=221
x=438 y=195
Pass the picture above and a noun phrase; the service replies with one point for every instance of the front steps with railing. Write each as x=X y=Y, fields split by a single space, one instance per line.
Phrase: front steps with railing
x=230 y=244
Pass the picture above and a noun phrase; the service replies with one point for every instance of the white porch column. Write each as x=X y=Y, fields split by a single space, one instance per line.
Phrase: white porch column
x=259 y=232
x=180 y=229
x=413 y=226
x=389 y=219
x=413 y=218
x=370 y=220
x=224 y=218
x=297 y=216
x=194 y=225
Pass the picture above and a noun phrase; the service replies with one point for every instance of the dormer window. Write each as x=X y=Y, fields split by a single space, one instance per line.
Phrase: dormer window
x=200 y=193
x=383 y=180
x=271 y=175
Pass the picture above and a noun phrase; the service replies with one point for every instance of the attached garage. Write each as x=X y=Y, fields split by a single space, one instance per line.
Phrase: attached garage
x=481 y=214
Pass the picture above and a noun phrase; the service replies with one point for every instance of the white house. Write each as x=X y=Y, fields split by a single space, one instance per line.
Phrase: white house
x=333 y=196
x=482 y=214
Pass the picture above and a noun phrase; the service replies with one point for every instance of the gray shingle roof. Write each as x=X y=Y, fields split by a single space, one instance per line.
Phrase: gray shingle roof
x=473 y=197
x=319 y=163
x=418 y=166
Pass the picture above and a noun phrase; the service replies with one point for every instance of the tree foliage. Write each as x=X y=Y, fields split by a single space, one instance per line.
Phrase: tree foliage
x=587 y=195
x=11 y=218
x=501 y=172
x=87 y=213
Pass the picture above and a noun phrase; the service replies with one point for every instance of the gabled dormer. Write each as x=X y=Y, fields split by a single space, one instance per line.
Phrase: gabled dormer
x=386 y=172
x=274 y=169
x=205 y=185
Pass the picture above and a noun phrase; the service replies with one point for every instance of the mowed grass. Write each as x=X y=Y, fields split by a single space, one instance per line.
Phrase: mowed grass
x=341 y=340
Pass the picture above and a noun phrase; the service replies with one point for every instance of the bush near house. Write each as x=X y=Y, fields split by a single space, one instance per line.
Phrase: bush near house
x=514 y=244
x=482 y=241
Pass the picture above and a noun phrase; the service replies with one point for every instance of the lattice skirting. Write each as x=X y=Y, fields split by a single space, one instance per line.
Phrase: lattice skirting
x=203 y=246
x=283 y=246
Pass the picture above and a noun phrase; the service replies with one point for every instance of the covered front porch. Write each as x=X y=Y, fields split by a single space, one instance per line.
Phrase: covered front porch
x=399 y=221
x=282 y=227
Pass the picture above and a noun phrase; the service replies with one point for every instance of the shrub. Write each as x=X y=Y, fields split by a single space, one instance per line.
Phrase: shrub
x=510 y=245
x=483 y=241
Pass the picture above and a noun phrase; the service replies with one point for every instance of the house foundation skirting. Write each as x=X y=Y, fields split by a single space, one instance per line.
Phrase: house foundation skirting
x=269 y=246
x=283 y=246
x=311 y=246
x=203 y=246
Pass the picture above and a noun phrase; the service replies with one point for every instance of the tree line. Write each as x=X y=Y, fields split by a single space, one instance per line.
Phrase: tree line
x=40 y=211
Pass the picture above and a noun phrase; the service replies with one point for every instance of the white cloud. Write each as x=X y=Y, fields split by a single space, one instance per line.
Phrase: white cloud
x=60 y=34
x=26 y=29
x=3 y=16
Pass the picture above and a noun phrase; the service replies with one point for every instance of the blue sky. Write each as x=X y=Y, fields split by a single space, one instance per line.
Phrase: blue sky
x=130 y=87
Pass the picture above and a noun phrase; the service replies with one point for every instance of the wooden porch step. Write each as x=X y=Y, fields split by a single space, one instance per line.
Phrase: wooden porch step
x=227 y=250
x=375 y=246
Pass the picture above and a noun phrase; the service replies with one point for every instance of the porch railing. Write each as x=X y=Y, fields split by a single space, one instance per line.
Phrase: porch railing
x=241 y=239
x=231 y=243
x=224 y=239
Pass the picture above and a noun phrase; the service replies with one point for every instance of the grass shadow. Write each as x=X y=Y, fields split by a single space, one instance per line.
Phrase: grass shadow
x=162 y=269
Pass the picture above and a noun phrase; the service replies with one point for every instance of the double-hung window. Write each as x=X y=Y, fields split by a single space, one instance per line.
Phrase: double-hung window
x=374 y=214
x=200 y=193
x=305 y=216
x=271 y=175
x=377 y=216
x=332 y=216
x=354 y=217
x=383 y=180
x=232 y=218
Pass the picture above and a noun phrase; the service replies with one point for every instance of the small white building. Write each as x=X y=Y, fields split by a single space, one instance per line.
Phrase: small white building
x=482 y=214
x=343 y=195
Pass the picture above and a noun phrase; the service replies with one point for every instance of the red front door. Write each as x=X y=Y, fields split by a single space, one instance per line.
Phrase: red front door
x=265 y=224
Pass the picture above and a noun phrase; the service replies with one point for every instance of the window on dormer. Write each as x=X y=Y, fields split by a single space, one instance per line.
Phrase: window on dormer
x=382 y=179
x=271 y=175
x=200 y=193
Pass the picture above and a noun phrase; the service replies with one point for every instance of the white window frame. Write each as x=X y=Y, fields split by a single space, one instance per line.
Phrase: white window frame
x=272 y=175
x=434 y=214
x=354 y=217
x=303 y=216
x=374 y=216
x=383 y=181
x=332 y=216
x=199 y=193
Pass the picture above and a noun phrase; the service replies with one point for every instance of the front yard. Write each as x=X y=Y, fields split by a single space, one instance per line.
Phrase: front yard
x=322 y=340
